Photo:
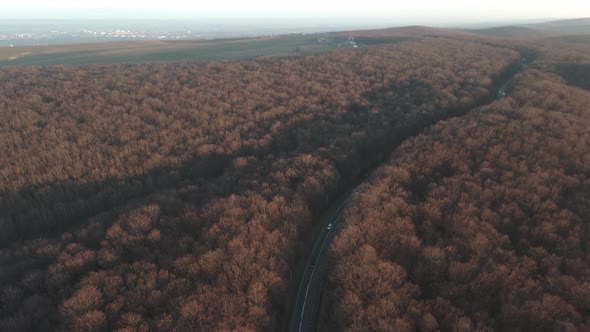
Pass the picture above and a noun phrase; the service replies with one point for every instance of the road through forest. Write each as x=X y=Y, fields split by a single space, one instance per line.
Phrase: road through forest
x=308 y=297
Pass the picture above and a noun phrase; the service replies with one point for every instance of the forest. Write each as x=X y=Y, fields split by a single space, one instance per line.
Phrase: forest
x=482 y=223
x=179 y=196
x=183 y=196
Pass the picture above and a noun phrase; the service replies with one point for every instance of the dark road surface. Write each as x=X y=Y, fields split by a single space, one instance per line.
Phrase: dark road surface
x=507 y=86
x=310 y=289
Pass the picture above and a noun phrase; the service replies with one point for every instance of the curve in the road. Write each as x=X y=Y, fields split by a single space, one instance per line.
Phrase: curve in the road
x=313 y=267
x=304 y=308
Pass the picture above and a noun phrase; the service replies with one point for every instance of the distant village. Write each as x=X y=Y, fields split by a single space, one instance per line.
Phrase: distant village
x=87 y=35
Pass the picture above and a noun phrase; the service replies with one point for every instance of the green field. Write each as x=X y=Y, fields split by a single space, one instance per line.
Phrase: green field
x=171 y=50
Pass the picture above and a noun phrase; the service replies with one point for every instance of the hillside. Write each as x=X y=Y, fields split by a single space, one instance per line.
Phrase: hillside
x=480 y=224
x=519 y=32
x=409 y=31
x=207 y=50
x=139 y=192
x=565 y=27
x=537 y=31
x=167 y=51
x=180 y=196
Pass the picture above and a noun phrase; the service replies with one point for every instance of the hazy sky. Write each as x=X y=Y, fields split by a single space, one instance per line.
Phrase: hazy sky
x=409 y=11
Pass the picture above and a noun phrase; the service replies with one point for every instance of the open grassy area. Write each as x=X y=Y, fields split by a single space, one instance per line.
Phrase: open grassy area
x=154 y=51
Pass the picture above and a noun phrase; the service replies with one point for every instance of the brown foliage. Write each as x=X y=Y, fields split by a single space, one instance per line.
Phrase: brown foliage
x=485 y=218
x=175 y=196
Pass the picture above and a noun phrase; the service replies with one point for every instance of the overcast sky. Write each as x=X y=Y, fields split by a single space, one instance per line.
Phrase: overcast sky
x=408 y=11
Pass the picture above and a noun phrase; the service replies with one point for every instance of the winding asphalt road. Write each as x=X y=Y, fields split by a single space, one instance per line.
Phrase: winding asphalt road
x=310 y=290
